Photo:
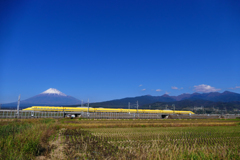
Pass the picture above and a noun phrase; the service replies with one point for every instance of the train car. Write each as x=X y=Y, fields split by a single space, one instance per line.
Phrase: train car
x=112 y=110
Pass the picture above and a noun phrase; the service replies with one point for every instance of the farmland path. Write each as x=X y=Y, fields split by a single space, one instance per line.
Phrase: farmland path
x=57 y=151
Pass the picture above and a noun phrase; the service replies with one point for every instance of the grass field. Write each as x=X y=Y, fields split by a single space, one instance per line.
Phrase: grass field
x=119 y=139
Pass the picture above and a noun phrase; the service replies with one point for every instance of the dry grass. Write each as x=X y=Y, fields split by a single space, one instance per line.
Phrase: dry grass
x=110 y=123
x=119 y=139
x=25 y=139
x=154 y=143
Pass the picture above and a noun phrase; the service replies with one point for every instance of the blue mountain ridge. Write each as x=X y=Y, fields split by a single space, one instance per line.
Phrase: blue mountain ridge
x=148 y=99
x=59 y=100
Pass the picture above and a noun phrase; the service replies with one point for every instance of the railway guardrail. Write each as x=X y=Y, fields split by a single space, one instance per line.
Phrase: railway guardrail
x=108 y=115
x=112 y=115
x=29 y=114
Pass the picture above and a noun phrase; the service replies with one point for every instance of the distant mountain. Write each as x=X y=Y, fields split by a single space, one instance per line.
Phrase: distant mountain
x=53 y=97
x=142 y=100
x=148 y=99
x=50 y=97
x=215 y=96
x=191 y=103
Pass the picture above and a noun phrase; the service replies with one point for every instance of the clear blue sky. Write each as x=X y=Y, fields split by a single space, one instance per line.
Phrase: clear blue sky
x=104 y=50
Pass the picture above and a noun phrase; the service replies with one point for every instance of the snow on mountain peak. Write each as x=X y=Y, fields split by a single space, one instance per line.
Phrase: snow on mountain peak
x=53 y=91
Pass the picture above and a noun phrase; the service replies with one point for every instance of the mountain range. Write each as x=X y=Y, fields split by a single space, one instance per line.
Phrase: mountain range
x=148 y=99
x=53 y=97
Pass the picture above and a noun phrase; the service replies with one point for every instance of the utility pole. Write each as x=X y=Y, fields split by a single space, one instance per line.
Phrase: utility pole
x=63 y=112
x=173 y=108
x=137 y=107
x=88 y=107
x=128 y=105
x=82 y=103
x=202 y=107
x=18 y=105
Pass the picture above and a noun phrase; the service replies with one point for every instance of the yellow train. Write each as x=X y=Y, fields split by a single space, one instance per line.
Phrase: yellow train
x=81 y=109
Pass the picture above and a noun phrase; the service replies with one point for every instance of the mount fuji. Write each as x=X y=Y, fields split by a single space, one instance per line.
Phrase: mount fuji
x=50 y=97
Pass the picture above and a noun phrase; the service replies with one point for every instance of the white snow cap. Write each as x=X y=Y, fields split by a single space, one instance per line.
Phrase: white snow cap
x=53 y=91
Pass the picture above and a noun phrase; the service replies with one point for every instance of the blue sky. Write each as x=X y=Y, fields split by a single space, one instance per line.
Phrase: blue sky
x=105 y=50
